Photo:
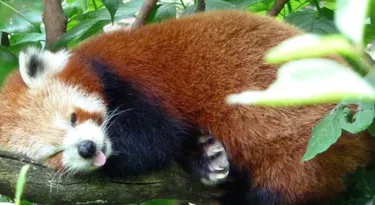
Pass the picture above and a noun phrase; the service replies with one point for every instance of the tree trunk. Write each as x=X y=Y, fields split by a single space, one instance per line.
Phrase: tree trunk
x=201 y=6
x=144 y=13
x=277 y=7
x=54 y=20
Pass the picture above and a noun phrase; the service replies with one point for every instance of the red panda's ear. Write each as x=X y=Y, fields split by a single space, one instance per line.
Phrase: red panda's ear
x=37 y=66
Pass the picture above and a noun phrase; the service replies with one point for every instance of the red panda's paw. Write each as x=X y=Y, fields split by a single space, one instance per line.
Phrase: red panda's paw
x=211 y=164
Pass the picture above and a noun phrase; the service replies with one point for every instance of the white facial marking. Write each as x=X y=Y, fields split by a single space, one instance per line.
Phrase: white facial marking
x=88 y=130
x=75 y=96
x=42 y=150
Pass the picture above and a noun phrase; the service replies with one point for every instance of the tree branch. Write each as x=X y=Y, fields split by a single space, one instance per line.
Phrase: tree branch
x=44 y=187
x=277 y=7
x=54 y=20
x=201 y=6
x=144 y=13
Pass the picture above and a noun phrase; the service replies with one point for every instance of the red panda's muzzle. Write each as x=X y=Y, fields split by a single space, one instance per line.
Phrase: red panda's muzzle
x=87 y=149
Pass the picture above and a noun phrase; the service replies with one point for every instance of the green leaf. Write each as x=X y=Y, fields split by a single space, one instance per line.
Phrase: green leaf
x=26 y=16
x=94 y=29
x=128 y=10
x=218 y=4
x=164 y=12
x=242 y=4
x=26 y=203
x=100 y=14
x=329 y=14
x=311 y=21
x=363 y=118
x=92 y=22
x=21 y=183
x=84 y=4
x=125 y=10
x=159 y=202
x=71 y=8
x=73 y=34
x=350 y=18
x=16 y=48
x=330 y=4
x=308 y=46
x=372 y=11
x=296 y=5
x=8 y=62
x=27 y=37
x=210 y=5
x=190 y=10
x=261 y=7
x=324 y=134
x=112 y=6
x=95 y=4
x=76 y=8
x=369 y=34
x=371 y=129
x=151 y=16
x=309 y=81
x=5 y=199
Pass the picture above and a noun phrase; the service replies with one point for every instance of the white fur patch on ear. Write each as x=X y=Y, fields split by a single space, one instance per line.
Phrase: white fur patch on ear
x=37 y=66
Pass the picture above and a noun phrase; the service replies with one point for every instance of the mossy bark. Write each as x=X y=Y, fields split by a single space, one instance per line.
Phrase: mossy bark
x=44 y=187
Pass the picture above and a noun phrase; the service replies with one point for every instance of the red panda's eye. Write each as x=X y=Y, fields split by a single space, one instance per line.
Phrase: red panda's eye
x=73 y=119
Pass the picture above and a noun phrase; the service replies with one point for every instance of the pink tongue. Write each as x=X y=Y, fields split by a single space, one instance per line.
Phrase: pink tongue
x=99 y=159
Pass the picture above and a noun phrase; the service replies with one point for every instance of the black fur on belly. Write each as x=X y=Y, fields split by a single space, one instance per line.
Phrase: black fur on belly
x=143 y=136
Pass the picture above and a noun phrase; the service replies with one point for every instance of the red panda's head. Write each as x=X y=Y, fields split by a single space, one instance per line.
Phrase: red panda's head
x=50 y=120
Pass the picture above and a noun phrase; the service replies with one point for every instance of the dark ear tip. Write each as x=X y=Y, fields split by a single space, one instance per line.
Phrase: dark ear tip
x=31 y=65
x=34 y=65
x=30 y=61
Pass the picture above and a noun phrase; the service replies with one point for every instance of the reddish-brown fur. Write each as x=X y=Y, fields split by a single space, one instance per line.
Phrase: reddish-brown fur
x=56 y=162
x=191 y=65
x=11 y=92
x=84 y=116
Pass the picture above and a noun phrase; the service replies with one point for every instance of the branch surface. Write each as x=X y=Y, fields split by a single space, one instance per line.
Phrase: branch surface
x=54 y=20
x=44 y=187
x=144 y=13
x=277 y=7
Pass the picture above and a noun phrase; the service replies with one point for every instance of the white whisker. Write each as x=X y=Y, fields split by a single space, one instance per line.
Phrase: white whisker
x=112 y=115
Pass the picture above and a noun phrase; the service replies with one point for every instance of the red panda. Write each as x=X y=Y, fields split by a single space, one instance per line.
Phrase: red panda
x=132 y=101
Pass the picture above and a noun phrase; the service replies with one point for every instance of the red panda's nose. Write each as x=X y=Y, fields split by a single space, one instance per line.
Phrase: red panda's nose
x=87 y=149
